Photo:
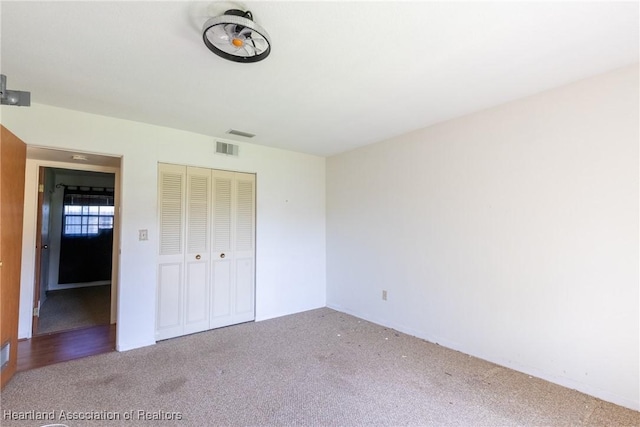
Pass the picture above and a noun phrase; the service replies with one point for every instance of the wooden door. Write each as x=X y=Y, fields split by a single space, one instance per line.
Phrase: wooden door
x=12 y=168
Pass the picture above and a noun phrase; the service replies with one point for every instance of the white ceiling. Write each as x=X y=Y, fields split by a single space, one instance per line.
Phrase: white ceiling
x=340 y=75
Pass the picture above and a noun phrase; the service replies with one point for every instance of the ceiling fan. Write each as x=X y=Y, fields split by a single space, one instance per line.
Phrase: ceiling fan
x=236 y=37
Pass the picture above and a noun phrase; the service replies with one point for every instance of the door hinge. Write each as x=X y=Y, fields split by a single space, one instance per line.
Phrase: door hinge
x=36 y=311
x=41 y=188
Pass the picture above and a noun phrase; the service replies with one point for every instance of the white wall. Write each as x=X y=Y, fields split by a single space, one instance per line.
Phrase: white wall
x=510 y=234
x=290 y=253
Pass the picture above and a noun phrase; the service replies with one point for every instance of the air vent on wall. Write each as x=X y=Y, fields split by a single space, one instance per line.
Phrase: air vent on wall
x=227 y=149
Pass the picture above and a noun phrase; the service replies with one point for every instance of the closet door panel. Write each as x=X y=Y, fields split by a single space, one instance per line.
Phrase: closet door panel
x=244 y=253
x=222 y=215
x=196 y=298
x=223 y=275
x=244 y=307
x=169 y=319
x=171 y=195
x=222 y=295
x=197 y=258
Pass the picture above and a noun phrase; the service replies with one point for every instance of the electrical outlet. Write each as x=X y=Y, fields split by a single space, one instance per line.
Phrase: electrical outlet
x=143 y=235
x=384 y=295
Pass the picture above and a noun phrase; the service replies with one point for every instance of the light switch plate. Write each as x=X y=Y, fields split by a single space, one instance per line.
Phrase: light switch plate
x=143 y=235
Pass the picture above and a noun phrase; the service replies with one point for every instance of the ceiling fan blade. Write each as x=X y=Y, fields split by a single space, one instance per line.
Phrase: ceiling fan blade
x=246 y=31
x=220 y=42
x=217 y=33
x=257 y=49
x=249 y=52
x=230 y=29
x=259 y=40
x=260 y=48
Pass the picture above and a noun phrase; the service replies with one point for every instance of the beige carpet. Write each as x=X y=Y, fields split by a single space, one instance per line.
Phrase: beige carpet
x=75 y=308
x=315 y=368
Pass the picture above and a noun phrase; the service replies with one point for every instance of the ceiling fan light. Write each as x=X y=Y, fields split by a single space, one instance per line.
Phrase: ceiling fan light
x=234 y=36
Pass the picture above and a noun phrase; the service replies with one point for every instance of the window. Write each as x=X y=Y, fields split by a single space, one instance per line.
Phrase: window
x=87 y=211
x=87 y=220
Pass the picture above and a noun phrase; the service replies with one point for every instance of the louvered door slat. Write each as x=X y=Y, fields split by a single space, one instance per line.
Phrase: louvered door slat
x=198 y=213
x=171 y=213
x=244 y=216
x=222 y=214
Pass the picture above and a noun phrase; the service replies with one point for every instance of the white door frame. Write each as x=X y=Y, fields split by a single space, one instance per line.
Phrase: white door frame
x=30 y=230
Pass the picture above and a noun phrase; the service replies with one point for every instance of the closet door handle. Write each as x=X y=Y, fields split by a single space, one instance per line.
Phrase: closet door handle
x=221 y=255
x=198 y=256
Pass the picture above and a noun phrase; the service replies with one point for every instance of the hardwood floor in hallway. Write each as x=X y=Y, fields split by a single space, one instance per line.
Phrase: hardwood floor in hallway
x=43 y=350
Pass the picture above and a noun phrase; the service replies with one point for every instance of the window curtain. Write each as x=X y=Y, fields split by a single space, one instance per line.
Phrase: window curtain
x=88 y=196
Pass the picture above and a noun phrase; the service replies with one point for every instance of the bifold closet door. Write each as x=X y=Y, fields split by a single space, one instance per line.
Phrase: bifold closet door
x=184 y=257
x=233 y=249
x=206 y=253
